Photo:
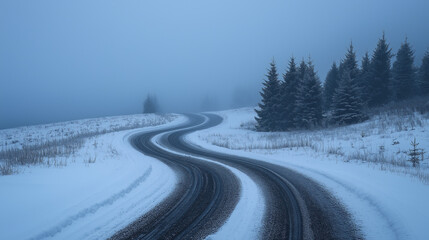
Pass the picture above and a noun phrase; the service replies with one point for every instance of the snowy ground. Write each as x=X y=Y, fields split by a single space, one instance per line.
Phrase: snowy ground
x=104 y=184
x=101 y=188
x=364 y=165
x=37 y=134
x=55 y=144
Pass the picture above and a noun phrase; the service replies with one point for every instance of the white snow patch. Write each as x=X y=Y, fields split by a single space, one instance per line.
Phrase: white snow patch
x=387 y=202
x=85 y=200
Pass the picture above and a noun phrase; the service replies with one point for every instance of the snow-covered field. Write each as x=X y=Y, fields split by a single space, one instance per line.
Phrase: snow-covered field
x=364 y=165
x=58 y=143
x=38 y=134
x=103 y=184
x=100 y=188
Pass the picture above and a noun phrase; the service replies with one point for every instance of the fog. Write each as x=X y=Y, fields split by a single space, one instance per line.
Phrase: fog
x=64 y=60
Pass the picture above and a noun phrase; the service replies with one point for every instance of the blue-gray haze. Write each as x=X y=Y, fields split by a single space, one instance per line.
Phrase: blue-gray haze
x=63 y=60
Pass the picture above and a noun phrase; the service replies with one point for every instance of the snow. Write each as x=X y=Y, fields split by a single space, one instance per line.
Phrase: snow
x=107 y=184
x=37 y=134
x=85 y=199
x=386 y=196
x=246 y=219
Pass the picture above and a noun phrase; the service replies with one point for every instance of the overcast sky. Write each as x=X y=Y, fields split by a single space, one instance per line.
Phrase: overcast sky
x=64 y=60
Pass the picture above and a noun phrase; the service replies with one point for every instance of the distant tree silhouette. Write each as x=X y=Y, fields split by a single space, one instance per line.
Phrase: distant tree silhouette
x=150 y=105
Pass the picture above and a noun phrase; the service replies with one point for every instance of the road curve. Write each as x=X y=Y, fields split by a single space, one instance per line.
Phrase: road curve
x=296 y=207
x=204 y=198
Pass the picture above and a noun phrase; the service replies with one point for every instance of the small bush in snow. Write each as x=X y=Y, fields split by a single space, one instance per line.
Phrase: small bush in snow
x=6 y=169
x=415 y=153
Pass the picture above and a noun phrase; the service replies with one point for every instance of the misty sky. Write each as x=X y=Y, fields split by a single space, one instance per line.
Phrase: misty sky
x=64 y=60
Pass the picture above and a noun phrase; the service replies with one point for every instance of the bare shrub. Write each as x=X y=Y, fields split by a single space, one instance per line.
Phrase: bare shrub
x=90 y=160
x=6 y=169
x=335 y=151
x=249 y=125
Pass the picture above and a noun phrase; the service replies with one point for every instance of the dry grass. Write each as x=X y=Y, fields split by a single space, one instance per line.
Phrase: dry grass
x=374 y=142
x=55 y=152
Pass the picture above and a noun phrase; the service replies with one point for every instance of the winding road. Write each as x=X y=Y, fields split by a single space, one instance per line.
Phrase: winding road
x=295 y=206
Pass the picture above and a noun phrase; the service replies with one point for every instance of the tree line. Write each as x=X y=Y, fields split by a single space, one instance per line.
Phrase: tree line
x=299 y=101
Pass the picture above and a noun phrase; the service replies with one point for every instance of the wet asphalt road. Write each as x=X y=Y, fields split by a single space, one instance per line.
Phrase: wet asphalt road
x=296 y=206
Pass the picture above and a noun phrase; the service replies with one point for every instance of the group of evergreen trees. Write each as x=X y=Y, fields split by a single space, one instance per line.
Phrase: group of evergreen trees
x=150 y=105
x=301 y=102
x=293 y=103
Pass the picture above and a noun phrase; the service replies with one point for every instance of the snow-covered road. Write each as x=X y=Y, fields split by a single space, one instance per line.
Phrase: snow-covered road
x=185 y=185
x=274 y=202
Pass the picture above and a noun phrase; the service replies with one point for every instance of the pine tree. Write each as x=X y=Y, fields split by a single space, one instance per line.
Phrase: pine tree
x=150 y=105
x=415 y=153
x=364 y=79
x=289 y=92
x=331 y=83
x=296 y=121
x=380 y=74
x=302 y=69
x=423 y=81
x=267 y=118
x=403 y=73
x=347 y=105
x=349 y=64
x=309 y=101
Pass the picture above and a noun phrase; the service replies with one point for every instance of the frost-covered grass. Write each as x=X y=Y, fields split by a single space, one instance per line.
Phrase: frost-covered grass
x=106 y=185
x=54 y=144
x=365 y=165
x=383 y=141
x=35 y=135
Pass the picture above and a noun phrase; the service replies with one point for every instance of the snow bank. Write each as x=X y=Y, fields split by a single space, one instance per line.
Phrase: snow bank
x=106 y=185
x=388 y=200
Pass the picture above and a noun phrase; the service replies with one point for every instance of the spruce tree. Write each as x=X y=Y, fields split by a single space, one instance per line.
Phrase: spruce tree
x=296 y=121
x=380 y=74
x=267 y=118
x=331 y=83
x=347 y=105
x=302 y=69
x=349 y=64
x=364 y=79
x=289 y=92
x=309 y=101
x=403 y=73
x=150 y=105
x=423 y=82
